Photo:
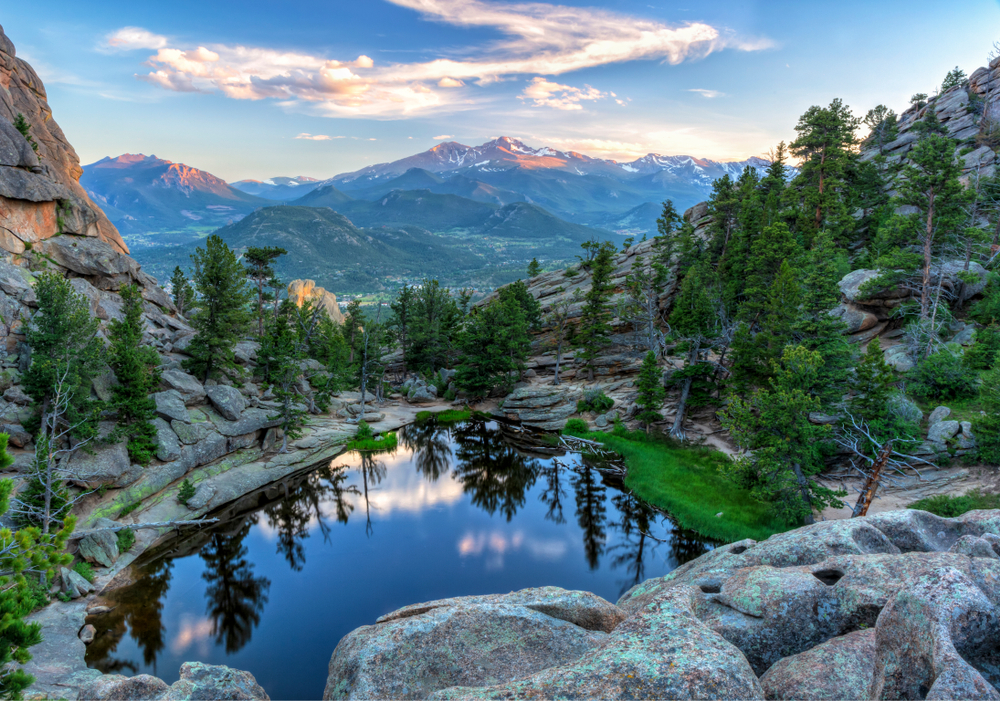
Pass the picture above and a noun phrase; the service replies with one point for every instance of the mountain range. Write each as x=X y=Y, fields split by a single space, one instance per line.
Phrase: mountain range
x=495 y=206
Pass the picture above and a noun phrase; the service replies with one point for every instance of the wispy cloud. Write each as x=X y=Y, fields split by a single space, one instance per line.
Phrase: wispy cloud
x=317 y=137
x=545 y=93
x=707 y=93
x=443 y=137
x=538 y=39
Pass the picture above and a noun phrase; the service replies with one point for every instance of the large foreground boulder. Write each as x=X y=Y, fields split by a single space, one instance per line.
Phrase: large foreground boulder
x=895 y=605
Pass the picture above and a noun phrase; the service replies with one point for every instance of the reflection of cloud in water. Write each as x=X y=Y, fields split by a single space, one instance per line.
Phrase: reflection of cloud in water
x=402 y=489
x=495 y=545
x=193 y=630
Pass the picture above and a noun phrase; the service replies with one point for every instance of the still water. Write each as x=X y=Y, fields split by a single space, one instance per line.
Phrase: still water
x=471 y=509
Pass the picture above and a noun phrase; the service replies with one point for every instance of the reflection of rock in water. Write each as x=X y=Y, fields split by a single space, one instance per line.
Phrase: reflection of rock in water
x=235 y=596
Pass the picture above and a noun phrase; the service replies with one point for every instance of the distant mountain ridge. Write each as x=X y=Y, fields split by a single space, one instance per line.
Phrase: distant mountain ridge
x=506 y=152
x=278 y=188
x=145 y=195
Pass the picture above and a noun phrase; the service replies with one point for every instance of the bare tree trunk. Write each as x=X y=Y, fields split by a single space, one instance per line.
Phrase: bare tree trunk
x=867 y=495
x=678 y=428
x=804 y=491
x=928 y=240
x=937 y=300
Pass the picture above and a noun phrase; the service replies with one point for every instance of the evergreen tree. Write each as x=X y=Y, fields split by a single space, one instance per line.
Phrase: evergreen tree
x=402 y=310
x=663 y=241
x=21 y=124
x=786 y=450
x=872 y=387
x=182 y=293
x=517 y=294
x=65 y=351
x=222 y=317
x=986 y=426
x=534 y=269
x=436 y=320
x=259 y=262
x=136 y=368
x=692 y=319
x=825 y=148
x=595 y=316
x=930 y=183
x=278 y=366
x=768 y=253
x=955 y=77
x=353 y=328
x=881 y=122
x=651 y=392
x=493 y=347
x=724 y=208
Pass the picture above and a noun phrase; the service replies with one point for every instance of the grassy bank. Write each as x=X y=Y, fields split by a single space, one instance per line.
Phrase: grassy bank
x=950 y=507
x=687 y=483
x=388 y=442
x=451 y=416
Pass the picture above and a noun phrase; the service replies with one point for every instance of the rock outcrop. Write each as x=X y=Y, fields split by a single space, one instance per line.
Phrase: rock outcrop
x=40 y=192
x=198 y=681
x=901 y=604
x=301 y=291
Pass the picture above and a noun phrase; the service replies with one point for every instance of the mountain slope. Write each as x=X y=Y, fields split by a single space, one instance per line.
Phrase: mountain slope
x=145 y=194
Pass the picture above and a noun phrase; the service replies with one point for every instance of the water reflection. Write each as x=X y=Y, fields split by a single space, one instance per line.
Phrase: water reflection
x=463 y=510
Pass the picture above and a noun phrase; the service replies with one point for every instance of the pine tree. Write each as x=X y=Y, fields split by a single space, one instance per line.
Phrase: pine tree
x=955 y=77
x=183 y=295
x=493 y=345
x=136 y=368
x=881 y=122
x=21 y=124
x=768 y=253
x=65 y=350
x=693 y=320
x=930 y=183
x=222 y=317
x=785 y=449
x=534 y=269
x=872 y=386
x=436 y=322
x=259 y=262
x=595 y=316
x=986 y=426
x=402 y=310
x=278 y=366
x=517 y=294
x=825 y=147
x=651 y=392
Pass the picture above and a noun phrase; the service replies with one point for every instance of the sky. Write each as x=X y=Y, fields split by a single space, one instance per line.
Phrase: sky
x=257 y=88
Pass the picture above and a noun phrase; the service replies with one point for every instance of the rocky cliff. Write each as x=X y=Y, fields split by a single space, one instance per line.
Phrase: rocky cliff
x=903 y=604
x=40 y=192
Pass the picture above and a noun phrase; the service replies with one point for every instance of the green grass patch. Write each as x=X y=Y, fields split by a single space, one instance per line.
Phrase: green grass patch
x=129 y=508
x=961 y=409
x=126 y=539
x=451 y=416
x=388 y=442
x=688 y=484
x=948 y=506
x=84 y=570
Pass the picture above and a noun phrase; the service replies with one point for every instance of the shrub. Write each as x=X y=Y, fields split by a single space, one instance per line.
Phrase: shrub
x=126 y=539
x=187 y=491
x=84 y=570
x=449 y=395
x=595 y=400
x=576 y=426
x=129 y=508
x=940 y=376
x=984 y=351
x=365 y=432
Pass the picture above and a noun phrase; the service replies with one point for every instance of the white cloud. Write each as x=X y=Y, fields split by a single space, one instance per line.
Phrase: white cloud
x=131 y=38
x=707 y=93
x=316 y=137
x=443 y=137
x=537 y=39
x=544 y=93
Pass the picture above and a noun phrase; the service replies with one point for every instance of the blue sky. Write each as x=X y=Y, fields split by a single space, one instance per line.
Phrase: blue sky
x=255 y=89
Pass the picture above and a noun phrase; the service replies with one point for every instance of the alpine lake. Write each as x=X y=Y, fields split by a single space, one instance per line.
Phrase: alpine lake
x=478 y=507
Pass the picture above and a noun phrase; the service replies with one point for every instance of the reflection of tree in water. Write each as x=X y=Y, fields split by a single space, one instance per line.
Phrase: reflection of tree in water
x=491 y=470
x=235 y=596
x=138 y=609
x=372 y=473
x=291 y=516
x=633 y=524
x=431 y=448
x=591 y=513
x=553 y=493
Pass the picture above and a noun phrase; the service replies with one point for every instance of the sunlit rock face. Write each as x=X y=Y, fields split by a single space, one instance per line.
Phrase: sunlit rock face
x=302 y=291
x=901 y=604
